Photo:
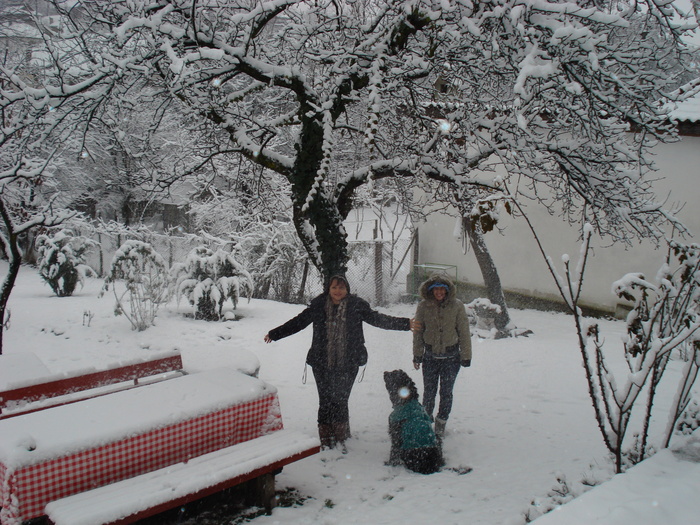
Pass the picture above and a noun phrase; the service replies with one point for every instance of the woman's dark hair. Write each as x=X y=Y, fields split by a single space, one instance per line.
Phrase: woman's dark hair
x=340 y=279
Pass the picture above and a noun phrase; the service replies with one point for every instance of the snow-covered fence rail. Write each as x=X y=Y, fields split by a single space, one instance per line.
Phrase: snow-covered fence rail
x=172 y=247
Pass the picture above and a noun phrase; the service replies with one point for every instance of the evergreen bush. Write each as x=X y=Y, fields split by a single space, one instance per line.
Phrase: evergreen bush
x=207 y=279
x=62 y=261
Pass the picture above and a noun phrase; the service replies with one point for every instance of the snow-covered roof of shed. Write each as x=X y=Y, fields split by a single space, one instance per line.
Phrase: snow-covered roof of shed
x=688 y=110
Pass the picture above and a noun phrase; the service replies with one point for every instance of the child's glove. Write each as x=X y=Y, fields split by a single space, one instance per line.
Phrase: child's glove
x=466 y=362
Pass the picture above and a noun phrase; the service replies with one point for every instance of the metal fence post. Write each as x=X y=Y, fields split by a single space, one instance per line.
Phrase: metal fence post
x=378 y=273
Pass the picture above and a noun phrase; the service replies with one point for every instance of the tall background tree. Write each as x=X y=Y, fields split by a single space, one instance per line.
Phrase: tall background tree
x=546 y=90
x=28 y=196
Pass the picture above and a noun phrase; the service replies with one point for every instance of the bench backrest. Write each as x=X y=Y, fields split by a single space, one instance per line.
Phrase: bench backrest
x=84 y=382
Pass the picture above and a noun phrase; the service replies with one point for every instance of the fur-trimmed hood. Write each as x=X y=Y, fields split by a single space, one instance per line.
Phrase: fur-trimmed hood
x=427 y=294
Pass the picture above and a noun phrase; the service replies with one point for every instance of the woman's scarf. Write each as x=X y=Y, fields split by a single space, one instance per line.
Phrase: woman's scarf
x=336 y=332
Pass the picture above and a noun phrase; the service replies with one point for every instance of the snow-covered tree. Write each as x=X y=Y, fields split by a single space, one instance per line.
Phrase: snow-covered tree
x=331 y=95
x=665 y=317
x=30 y=98
x=251 y=217
x=62 y=260
x=478 y=218
x=138 y=276
x=208 y=279
x=17 y=221
x=274 y=256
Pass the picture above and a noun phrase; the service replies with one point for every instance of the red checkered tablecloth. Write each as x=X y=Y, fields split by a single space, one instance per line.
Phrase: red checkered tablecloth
x=26 y=490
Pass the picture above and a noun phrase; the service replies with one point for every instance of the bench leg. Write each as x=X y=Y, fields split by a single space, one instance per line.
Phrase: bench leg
x=261 y=492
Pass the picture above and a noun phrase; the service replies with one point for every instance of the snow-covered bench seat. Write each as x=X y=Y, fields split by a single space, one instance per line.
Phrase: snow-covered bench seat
x=64 y=450
x=136 y=498
x=17 y=397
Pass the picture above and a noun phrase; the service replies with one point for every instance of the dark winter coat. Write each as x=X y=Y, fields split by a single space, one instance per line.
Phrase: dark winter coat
x=410 y=426
x=358 y=311
x=445 y=325
x=413 y=441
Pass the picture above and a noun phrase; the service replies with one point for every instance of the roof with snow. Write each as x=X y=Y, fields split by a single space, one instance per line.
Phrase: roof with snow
x=688 y=110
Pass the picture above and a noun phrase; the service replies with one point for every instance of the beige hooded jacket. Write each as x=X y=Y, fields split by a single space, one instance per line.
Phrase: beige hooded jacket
x=444 y=324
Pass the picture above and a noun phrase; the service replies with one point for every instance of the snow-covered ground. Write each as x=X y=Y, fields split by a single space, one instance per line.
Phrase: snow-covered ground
x=521 y=419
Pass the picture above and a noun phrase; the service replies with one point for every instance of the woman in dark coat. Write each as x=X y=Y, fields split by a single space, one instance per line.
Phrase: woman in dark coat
x=337 y=351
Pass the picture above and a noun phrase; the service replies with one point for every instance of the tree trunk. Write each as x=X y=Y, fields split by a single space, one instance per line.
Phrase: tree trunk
x=7 y=286
x=327 y=245
x=14 y=256
x=488 y=271
x=302 y=285
x=264 y=290
x=317 y=218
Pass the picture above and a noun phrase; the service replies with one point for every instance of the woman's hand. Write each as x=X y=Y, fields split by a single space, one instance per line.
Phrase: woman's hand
x=416 y=365
x=416 y=326
x=267 y=338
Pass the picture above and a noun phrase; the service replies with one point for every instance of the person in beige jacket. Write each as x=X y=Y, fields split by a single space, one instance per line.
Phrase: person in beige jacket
x=441 y=345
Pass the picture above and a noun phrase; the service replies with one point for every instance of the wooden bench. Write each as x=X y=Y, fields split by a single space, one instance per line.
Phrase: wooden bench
x=84 y=383
x=129 y=500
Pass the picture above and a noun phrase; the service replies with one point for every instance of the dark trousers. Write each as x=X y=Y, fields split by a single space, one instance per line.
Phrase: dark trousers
x=334 y=387
x=442 y=373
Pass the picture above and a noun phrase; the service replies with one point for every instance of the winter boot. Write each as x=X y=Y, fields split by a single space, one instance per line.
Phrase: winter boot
x=440 y=428
x=327 y=436
x=341 y=432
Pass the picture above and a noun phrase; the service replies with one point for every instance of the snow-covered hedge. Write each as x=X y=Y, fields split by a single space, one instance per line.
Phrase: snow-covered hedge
x=62 y=260
x=144 y=275
x=207 y=279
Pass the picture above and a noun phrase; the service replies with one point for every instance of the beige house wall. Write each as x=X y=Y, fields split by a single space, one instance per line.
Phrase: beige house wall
x=521 y=265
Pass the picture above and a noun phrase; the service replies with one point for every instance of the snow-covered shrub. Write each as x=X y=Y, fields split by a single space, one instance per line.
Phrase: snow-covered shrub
x=665 y=317
x=274 y=256
x=560 y=493
x=484 y=312
x=207 y=279
x=145 y=282
x=62 y=260
x=689 y=422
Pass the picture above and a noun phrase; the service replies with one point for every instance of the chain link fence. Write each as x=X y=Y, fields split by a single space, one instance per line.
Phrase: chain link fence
x=173 y=248
x=377 y=271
